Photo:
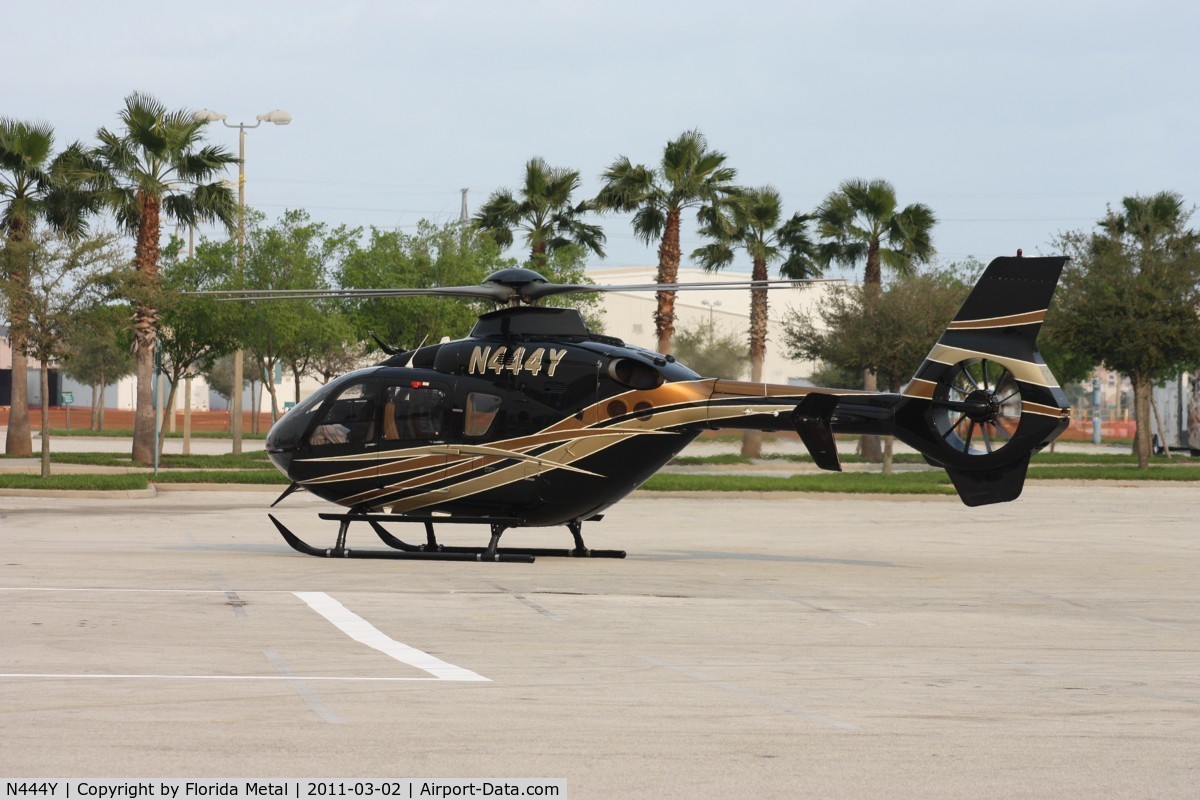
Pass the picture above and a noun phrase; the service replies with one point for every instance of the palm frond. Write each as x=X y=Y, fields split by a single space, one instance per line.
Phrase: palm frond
x=25 y=146
x=649 y=222
x=204 y=163
x=625 y=186
x=122 y=200
x=713 y=256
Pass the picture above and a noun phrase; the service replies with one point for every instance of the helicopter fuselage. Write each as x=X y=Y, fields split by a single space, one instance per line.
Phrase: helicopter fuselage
x=532 y=417
x=532 y=420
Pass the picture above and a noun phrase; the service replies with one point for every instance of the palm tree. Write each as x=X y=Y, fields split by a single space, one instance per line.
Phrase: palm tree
x=1147 y=220
x=157 y=166
x=34 y=186
x=750 y=220
x=544 y=212
x=689 y=176
x=860 y=223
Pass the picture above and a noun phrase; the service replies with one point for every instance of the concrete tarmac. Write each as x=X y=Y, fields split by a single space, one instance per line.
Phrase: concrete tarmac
x=750 y=646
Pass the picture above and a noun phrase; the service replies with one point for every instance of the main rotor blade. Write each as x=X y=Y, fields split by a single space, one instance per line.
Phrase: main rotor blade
x=538 y=291
x=499 y=294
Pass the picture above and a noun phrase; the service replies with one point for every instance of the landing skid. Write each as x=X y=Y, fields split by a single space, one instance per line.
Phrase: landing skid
x=432 y=550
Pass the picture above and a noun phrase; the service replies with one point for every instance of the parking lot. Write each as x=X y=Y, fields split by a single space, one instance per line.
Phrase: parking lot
x=749 y=646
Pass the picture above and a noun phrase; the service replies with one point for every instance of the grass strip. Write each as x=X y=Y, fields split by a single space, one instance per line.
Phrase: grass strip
x=1119 y=473
x=845 y=458
x=255 y=460
x=75 y=482
x=1046 y=457
x=251 y=476
x=933 y=482
x=127 y=433
x=799 y=458
x=720 y=459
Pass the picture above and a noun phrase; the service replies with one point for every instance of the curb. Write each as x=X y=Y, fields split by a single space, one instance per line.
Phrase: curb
x=114 y=494
x=219 y=487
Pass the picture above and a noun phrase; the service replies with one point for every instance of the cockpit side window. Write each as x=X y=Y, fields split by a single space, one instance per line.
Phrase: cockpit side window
x=481 y=411
x=351 y=418
x=413 y=412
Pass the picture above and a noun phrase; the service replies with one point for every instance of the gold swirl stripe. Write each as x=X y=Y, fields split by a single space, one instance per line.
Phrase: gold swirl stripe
x=1027 y=318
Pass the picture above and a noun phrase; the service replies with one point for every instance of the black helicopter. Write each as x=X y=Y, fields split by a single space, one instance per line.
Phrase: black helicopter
x=533 y=420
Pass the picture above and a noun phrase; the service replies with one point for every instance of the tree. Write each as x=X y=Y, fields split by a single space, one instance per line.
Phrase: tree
x=690 y=175
x=34 y=186
x=219 y=374
x=544 y=212
x=337 y=355
x=711 y=351
x=325 y=347
x=99 y=352
x=156 y=165
x=64 y=273
x=906 y=317
x=193 y=329
x=751 y=221
x=861 y=223
x=1130 y=296
x=294 y=253
x=446 y=255
x=1069 y=365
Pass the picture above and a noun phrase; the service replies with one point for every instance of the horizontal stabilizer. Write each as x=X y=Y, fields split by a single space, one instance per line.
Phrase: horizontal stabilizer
x=813 y=420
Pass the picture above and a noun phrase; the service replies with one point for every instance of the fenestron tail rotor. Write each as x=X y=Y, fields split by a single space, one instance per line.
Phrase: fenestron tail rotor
x=977 y=407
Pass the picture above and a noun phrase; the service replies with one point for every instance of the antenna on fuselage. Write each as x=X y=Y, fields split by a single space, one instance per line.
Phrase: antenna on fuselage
x=414 y=352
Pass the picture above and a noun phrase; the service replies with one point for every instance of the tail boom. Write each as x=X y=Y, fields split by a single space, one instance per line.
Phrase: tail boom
x=980 y=405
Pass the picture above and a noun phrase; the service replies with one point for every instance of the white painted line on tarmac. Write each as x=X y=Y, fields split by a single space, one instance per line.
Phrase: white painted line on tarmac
x=364 y=632
x=345 y=620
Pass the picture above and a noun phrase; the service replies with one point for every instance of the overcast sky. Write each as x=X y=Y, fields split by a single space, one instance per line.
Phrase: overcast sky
x=1012 y=120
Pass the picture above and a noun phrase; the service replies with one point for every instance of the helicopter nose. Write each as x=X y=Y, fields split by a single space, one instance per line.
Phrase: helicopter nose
x=282 y=459
x=283 y=440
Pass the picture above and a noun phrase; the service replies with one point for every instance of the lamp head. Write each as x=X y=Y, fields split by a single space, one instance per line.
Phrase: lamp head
x=279 y=117
x=208 y=115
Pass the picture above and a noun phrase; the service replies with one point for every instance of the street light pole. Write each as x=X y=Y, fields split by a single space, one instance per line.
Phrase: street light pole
x=279 y=118
x=711 y=308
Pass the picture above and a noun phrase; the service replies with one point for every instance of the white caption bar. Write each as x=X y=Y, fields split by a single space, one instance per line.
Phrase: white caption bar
x=301 y=790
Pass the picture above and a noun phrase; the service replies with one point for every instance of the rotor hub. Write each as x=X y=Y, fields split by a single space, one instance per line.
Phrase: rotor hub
x=517 y=281
x=982 y=405
x=977 y=407
x=515 y=277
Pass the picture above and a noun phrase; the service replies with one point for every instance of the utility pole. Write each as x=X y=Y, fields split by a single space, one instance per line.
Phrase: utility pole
x=187 y=381
x=463 y=217
x=278 y=117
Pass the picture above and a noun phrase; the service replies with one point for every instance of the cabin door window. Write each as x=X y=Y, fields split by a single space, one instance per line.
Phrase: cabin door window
x=413 y=413
x=481 y=411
